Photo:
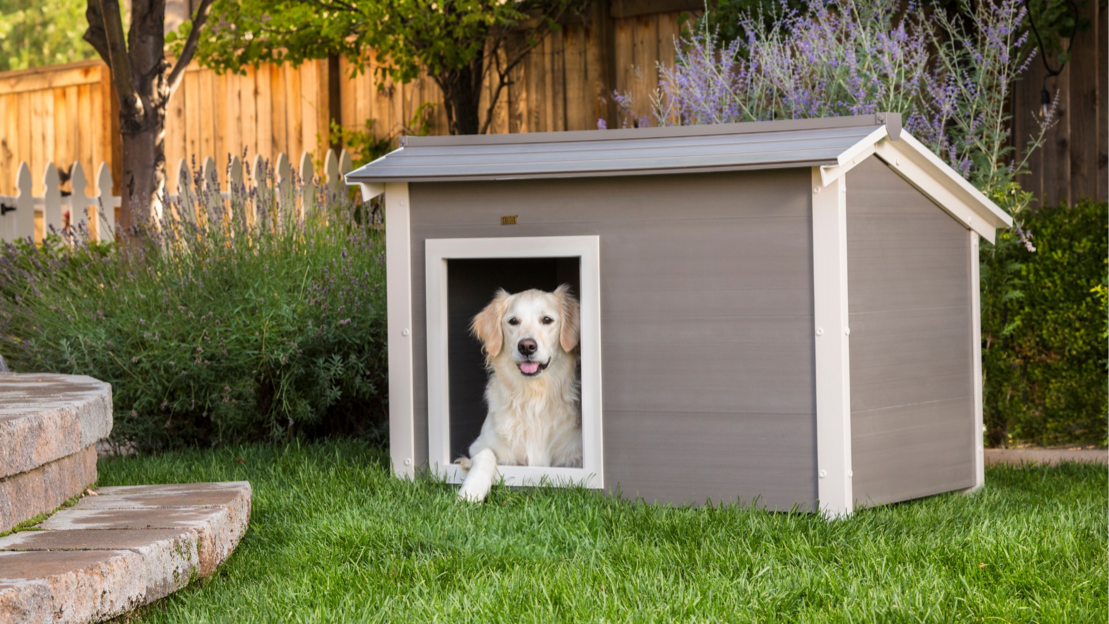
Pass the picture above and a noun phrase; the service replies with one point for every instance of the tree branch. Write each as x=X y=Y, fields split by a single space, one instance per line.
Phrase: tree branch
x=187 y=52
x=119 y=63
x=94 y=35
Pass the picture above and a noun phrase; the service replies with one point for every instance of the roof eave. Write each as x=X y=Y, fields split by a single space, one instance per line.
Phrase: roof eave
x=595 y=173
x=931 y=176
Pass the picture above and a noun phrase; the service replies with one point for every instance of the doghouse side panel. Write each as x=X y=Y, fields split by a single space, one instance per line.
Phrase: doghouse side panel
x=706 y=321
x=912 y=405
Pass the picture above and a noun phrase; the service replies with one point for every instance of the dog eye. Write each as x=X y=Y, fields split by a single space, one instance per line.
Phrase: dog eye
x=547 y=320
x=513 y=321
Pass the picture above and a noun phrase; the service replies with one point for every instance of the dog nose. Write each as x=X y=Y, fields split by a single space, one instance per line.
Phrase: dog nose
x=527 y=346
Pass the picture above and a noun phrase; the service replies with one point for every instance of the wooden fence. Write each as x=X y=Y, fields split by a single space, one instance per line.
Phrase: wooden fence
x=1074 y=161
x=27 y=215
x=67 y=113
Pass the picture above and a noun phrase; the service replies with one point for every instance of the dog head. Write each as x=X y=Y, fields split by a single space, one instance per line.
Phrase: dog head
x=531 y=329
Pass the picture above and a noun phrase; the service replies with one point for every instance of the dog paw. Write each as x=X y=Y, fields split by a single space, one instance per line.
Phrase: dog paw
x=474 y=493
x=465 y=463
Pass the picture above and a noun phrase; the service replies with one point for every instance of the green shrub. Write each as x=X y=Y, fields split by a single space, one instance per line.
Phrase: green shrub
x=212 y=335
x=1043 y=330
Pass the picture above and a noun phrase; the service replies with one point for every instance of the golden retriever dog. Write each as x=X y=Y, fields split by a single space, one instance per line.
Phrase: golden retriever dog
x=530 y=341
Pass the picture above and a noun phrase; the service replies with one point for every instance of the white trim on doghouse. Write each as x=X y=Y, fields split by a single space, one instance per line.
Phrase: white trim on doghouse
x=852 y=156
x=976 y=359
x=833 y=357
x=398 y=273
x=931 y=176
x=587 y=248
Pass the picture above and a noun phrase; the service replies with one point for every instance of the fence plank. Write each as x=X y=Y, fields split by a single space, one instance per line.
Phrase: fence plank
x=280 y=127
x=536 y=87
x=236 y=190
x=307 y=184
x=248 y=98
x=24 y=204
x=262 y=194
x=226 y=130
x=578 y=109
x=6 y=146
x=210 y=191
x=78 y=201
x=52 y=77
x=623 y=49
x=85 y=119
x=294 y=107
x=264 y=107
x=1101 y=28
x=286 y=201
x=38 y=133
x=183 y=203
x=557 y=85
x=331 y=170
x=1057 y=149
x=106 y=214
x=208 y=106
x=193 y=103
x=600 y=88
x=345 y=163
x=60 y=117
x=1084 y=118
x=100 y=124
x=52 y=201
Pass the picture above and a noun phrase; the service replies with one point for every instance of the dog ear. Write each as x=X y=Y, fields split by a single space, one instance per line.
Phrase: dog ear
x=486 y=326
x=569 y=310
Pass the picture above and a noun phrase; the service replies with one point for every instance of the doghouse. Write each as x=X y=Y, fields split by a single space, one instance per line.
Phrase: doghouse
x=778 y=311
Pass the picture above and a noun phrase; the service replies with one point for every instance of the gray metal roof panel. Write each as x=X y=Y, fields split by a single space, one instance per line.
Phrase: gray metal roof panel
x=651 y=154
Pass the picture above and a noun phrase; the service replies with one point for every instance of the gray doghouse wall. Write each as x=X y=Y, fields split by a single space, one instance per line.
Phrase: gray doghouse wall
x=909 y=290
x=706 y=321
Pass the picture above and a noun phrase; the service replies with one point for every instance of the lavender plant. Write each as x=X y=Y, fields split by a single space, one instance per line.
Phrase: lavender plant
x=221 y=321
x=949 y=76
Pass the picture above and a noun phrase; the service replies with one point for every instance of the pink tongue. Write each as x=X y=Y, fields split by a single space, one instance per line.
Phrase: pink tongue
x=529 y=368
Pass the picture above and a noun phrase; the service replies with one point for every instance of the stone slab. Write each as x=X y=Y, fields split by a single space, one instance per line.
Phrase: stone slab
x=219 y=525
x=88 y=539
x=69 y=587
x=44 y=417
x=44 y=489
x=90 y=564
x=141 y=497
x=169 y=556
x=1045 y=456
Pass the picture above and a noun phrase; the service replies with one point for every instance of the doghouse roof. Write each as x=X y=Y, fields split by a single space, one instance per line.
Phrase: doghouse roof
x=834 y=144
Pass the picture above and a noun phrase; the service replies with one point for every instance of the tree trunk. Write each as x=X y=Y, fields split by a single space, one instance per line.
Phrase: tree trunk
x=462 y=97
x=143 y=85
x=144 y=173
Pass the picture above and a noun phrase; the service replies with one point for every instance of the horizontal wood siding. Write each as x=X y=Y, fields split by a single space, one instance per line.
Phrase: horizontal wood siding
x=912 y=407
x=706 y=322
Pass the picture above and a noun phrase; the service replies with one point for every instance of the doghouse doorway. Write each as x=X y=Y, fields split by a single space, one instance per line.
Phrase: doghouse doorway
x=462 y=277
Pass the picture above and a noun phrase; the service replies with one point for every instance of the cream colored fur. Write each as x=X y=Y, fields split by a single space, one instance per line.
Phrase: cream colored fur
x=532 y=420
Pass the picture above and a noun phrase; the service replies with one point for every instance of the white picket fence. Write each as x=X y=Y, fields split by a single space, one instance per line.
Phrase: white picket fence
x=96 y=211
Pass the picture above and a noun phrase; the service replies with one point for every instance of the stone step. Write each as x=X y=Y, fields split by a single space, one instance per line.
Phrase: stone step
x=124 y=548
x=44 y=489
x=49 y=425
x=45 y=417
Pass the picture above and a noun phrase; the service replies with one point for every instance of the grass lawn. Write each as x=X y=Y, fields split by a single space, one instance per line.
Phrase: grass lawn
x=334 y=538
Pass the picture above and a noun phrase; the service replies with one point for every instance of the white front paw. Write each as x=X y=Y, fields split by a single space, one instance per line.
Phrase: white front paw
x=473 y=490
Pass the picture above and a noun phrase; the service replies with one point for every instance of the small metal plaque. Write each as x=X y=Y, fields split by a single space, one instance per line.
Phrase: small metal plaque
x=509 y=219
